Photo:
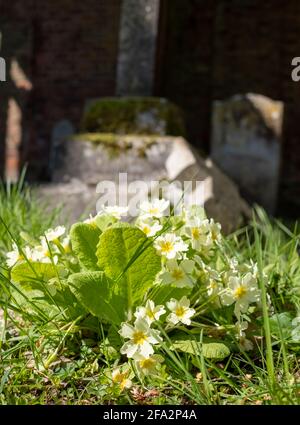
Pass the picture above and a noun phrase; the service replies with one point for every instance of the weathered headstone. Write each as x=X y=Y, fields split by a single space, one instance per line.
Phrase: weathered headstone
x=85 y=163
x=246 y=143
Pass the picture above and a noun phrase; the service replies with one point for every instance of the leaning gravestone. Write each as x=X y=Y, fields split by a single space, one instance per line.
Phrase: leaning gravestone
x=246 y=142
x=117 y=159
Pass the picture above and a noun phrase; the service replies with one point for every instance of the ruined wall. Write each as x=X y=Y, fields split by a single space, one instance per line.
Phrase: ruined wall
x=15 y=46
x=65 y=52
x=72 y=52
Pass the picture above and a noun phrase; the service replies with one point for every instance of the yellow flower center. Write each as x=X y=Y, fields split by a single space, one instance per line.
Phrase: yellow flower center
x=20 y=257
x=180 y=311
x=123 y=383
x=150 y=314
x=177 y=274
x=214 y=235
x=146 y=230
x=213 y=284
x=195 y=233
x=139 y=337
x=119 y=378
x=166 y=246
x=147 y=363
x=67 y=249
x=240 y=292
x=153 y=210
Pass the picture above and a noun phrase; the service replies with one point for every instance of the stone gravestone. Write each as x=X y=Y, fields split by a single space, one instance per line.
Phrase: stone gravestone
x=143 y=158
x=246 y=144
x=129 y=144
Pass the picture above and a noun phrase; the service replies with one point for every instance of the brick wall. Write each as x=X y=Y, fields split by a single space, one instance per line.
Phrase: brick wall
x=216 y=48
x=15 y=31
x=207 y=49
x=69 y=53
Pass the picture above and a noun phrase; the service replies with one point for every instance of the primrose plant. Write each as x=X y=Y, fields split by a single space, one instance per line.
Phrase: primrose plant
x=157 y=285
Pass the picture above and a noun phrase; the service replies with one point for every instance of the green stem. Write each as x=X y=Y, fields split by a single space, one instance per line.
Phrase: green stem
x=267 y=329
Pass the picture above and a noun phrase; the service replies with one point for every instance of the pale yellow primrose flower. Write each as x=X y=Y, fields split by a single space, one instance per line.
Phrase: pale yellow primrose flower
x=121 y=378
x=155 y=208
x=180 y=311
x=148 y=365
x=141 y=338
x=215 y=230
x=249 y=268
x=203 y=233
x=178 y=274
x=149 y=227
x=208 y=276
x=241 y=290
x=41 y=253
x=66 y=245
x=91 y=220
x=213 y=287
x=15 y=255
x=12 y=257
x=240 y=328
x=54 y=234
x=198 y=231
x=150 y=312
x=244 y=343
x=115 y=211
x=170 y=246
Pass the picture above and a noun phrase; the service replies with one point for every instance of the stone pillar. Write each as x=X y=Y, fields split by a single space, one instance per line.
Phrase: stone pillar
x=137 y=47
x=246 y=144
x=2 y=69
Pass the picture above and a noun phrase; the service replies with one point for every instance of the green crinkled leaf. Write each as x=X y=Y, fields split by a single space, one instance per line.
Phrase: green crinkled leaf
x=95 y=292
x=215 y=351
x=67 y=302
x=36 y=286
x=211 y=350
x=53 y=299
x=84 y=239
x=33 y=301
x=34 y=273
x=128 y=258
x=103 y=221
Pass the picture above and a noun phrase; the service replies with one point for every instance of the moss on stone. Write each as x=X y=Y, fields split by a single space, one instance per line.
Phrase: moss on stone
x=97 y=138
x=115 y=143
x=123 y=116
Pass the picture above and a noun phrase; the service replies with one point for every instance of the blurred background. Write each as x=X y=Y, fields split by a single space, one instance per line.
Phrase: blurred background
x=226 y=64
